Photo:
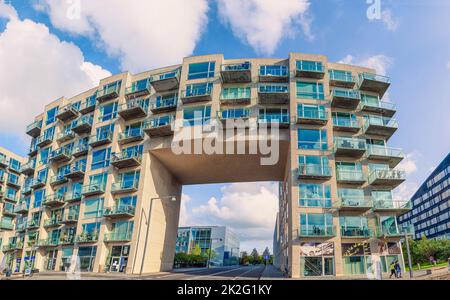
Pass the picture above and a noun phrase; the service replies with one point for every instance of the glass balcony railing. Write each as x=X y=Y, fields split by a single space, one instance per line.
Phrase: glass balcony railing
x=104 y=137
x=34 y=128
x=108 y=92
x=343 y=76
x=346 y=123
x=67 y=240
x=347 y=94
x=77 y=169
x=33 y=224
x=118 y=237
x=273 y=71
x=235 y=94
x=22 y=207
x=374 y=150
x=319 y=115
x=355 y=231
x=139 y=87
x=123 y=187
x=93 y=189
x=273 y=89
x=83 y=124
x=381 y=105
x=20 y=227
x=159 y=122
x=314 y=170
x=52 y=222
x=374 y=77
x=58 y=179
x=6 y=225
x=161 y=103
x=246 y=66
x=389 y=204
x=80 y=150
x=349 y=143
x=88 y=105
x=50 y=242
x=8 y=209
x=29 y=167
x=380 y=121
x=54 y=200
x=65 y=135
x=134 y=104
x=236 y=113
x=73 y=196
x=166 y=75
x=350 y=176
x=38 y=182
x=355 y=202
x=386 y=175
x=310 y=66
x=13 y=246
x=131 y=134
x=200 y=91
x=119 y=210
x=395 y=231
x=280 y=118
x=126 y=155
x=71 y=217
x=87 y=237
x=61 y=153
x=315 y=202
x=317 y=231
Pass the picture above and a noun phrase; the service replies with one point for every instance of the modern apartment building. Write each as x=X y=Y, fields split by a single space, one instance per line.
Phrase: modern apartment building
x=103 y=173
x=430 y=212
x=11 y=181
x=223 y=242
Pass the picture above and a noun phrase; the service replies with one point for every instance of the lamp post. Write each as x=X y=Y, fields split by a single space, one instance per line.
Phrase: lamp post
x=148 y=216
x=409 y=255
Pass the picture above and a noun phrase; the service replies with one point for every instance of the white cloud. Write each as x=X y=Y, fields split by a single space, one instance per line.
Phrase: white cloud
x=409 y=163
x=380 y=62
x=405 y=191
x=389 y=20
x=264 y=23
x=143 y=34
x=184 y=214
x=38 y=68
x=249 y=209
x=448 y=65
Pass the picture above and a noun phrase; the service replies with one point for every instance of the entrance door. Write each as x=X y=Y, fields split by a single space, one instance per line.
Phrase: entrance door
x=51 y=260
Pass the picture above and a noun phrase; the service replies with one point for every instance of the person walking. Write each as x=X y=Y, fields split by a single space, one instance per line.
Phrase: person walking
x=398 y=270
x=392 y=269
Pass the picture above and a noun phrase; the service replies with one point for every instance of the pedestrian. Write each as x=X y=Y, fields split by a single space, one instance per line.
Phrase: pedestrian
x=392 y=269
x=398 y=270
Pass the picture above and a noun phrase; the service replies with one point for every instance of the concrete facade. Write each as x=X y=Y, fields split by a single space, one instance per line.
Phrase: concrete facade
x=123 y=218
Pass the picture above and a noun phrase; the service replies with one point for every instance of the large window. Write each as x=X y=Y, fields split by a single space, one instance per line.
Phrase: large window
x=199 y=89
x=49 y=133
x=101 y=159
x=315 y=195
x=108 y=112
x=344 y=119
x=51 y=116
x=129 y=180
x=198 y=115
x=98 y=180
x=14 y=164
x=93 y=208
x=105 y=132
x=312 y=139
x=126 y=201
x=311 y=111
x=38 y=198
x=87 y=258
x=273 y=70
x=201 y=70
x=310 y=90
x=42 y=175
x=316 y=224
x=44 y=154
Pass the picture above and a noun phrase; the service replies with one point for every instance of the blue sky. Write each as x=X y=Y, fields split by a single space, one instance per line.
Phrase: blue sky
x=409 y=42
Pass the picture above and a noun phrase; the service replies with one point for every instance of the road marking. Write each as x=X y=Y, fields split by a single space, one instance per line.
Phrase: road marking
x=251 y=270
x=212 y=274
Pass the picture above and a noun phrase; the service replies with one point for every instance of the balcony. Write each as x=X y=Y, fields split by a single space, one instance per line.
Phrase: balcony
x=33 y=150
x=236 y=73
x=11 y=198
x=131 y=136
x=374 y=83
x=126 y=159
x=60 y=155
x=83 y=125
x=22 y=208
x=52 y=223
x=134 y=109
x=108 y=93
x=101 y=139
x=197 y=94
x=34 y=129
x=343 y=79
x=381 y=126
x=92 y=190
x=392 y=156
x=124 y=187
x=343 y=98
x=47 y=243
x=21 y=227
x=70 y=218
x=317 y=231
x=310 y=69
x=87 y=238
x=160 y=126
x=164 y=104
x=312 y=117
x=121 y=211
x=72 y=197
x=6 y=225
x=356 y=232
x=8 y=210
x=394 y=232
x=115 y=237
x=392 y=206
x=273 y=74
x=355 y=203
x=65 y=136
x=4 y=163
x=33 y=224
x=138 y=89
x=281 y=119
x=58 y=180
x=166 y=81
x=234 y=117
x=88 y=105
x=350 y=177
x=349 y=147
x=13 y=246
x=54 y=200
x=235 y=96
x=26 y=190
x=67 y=112
x=13 y=183
x=77 y=171
x=314 y=171
x=80 y=150
x=67 y=240
x=387 y=178
x=44 y=140
x=273 y=94
x=387 y=109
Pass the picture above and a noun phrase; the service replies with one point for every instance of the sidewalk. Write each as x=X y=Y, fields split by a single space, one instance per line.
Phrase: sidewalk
x=272 y=273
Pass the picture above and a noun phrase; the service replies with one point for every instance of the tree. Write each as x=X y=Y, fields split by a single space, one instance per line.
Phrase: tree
x=245 y=259
x=255 y=256
x=196 y=251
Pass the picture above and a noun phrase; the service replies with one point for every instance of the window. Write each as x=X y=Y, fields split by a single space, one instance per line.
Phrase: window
x=307 y=65
x=38 y=198
x=44 y=154
x=63 y=171
x=201 y=70
x=351 y=222
x=236 y=92
x=101 y=159
x=93 y=208
x=126 y=201
x=13 y=178
x=273 y=71
x=14 y=164
x=129 y=180
x=311 y=111
x=98 y=180
x=314 y=163
x=198 y=89
x=42 y=175
x=315 y=195
x=351 y=194
x=199 y=115
x=87 y=258
x=310 y=90
x=312 y=139
x=51 y=116
x=133 y=130
x=105 y=132
x=316 y=223
x=11 y=193
x=273 y=115
x=108 y=112
x=344 y=119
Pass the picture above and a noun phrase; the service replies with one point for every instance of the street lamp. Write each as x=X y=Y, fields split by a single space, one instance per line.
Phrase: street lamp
x=147 y=222
x=409 y=255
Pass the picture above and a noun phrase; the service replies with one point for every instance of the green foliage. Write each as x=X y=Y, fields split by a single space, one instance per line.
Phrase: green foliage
x=183 y=260
x=422 y=250
x=197 y=251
